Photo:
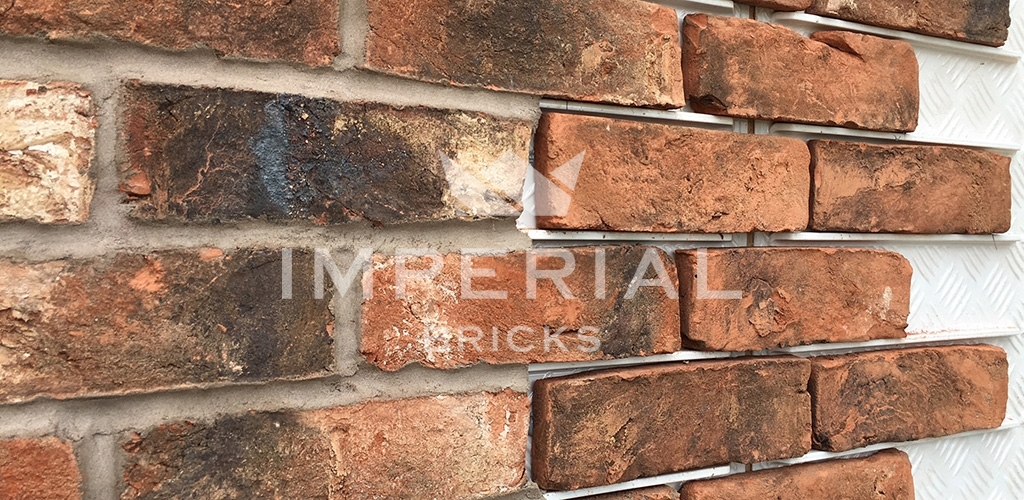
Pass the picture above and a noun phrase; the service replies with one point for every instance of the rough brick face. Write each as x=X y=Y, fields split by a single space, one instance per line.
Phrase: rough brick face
x=655 y=493
x=882 y=476
x=38 y=469
x=792 y=296
x=779 y=5
x=130 y=323
x=454 y=447
x=664 y=178
x=46 y=149
x=909 y=189
x=978 y=21
x=303 y=31
x=617 y=51
x=204 y=155
x=610 y=426
x=440 y=323
x=904 y=395
x=749 y=69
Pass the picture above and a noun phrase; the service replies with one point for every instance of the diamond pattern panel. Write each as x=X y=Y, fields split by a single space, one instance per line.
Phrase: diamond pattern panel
x=985 y=467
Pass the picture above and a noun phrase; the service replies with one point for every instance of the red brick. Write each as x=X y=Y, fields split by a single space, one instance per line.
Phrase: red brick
x=302 y=31
x=183 y=318
x=792 y=296
x=616 y=51
x=424 y=326
x=904 y=395
x=654 y=493
x=38 y=469
x=610 y=426
x=882 y=476
x=667 y=178
x=749 y=69
x=779 y=5
x=454 y=447
x=908 y=189
x=46 y=150
x=977 y=21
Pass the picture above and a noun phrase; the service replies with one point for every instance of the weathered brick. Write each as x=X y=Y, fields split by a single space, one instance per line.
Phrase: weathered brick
x=303 y=31
x=46 y=149
x=617 y=51
x=791 y=296
x=908 y=189
x=779 y=5
x=749 y=69
x=882 y=476
x=904 y=395
x=454 y=447
x=38 y=469
x=182 y=318
x=653 y=493
x=441 y=323
x=200 y=154
x=667 y=178
x=609 y=426
x=977 y=21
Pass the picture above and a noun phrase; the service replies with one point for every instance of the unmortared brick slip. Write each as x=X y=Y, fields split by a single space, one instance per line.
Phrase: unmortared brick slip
x=38 y=469
x=791 y=296
x=779 y=5
x=303 y=31
x=454 y=447
x=904 y=395
x=618 y=51
x=653 y=493
x=977 y=21
x=206 y=155
x=749 y=69
x=882 y=476
x=596 y=312
x=618 y=175
x=46 y=149
x=611 y=426
x=172 y=319
x=908 y=189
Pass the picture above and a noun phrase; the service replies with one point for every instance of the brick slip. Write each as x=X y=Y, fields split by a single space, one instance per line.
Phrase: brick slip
x=779 y=5
x=425 y=326
x=38 y=469
x=665 y=178
x=749 y=69
x=985 y=22
x=453 y=447
x=605 y=427
x=618 y=51
x=303 y=31
x=130 y=323
x=793 y=296
x=205 y=155
x=653 y=493
x=904 y=395
x=46 y=149
x=882 y=476
x=908 y=189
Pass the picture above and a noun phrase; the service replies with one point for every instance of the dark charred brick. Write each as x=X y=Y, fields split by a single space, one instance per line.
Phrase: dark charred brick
x=618 y=51
x=183 y=318
x=38 y=469
x=610 y=426
x=984 y=22
x=226 y=155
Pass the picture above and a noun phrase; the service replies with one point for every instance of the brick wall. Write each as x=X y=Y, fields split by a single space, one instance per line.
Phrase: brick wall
x=449 y=249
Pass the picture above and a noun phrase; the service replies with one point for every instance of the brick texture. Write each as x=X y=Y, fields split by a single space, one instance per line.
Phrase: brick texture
x=792 y=296
x=882 y=476
x=442 y=323
x=749 y=69
x=610 y=426
x=454 y=447
x=618 y=51
x=779 y=5
x=655 y=493
x=130 y=323
x=38 y=469
x=904 y=395
x=638 y=176
x=978 y=21
x=909 y=189
x=46 y=149
x=206 y=155
x=302 y=31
